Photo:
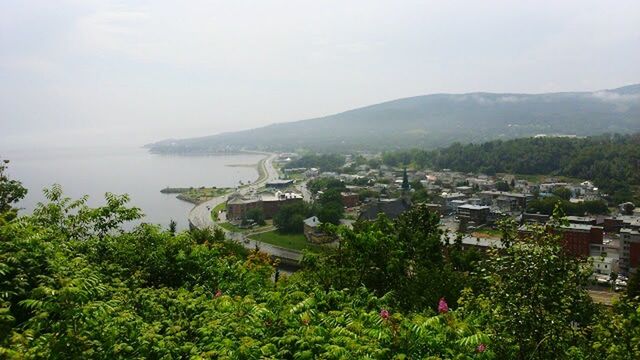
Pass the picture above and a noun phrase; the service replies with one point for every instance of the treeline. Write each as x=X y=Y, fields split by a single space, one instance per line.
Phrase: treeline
x=612 y=162
x=324 y=162
x=548 y=204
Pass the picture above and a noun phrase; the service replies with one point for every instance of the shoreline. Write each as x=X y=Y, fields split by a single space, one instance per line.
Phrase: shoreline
x=260 y=167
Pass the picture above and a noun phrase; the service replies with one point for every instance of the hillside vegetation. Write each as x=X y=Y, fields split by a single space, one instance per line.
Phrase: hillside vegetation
x=436 y=120
x=74 y=285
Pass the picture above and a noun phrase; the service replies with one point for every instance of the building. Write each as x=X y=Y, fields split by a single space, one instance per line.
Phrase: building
x=451 y=200
x=437 y=208
x=473 y=242
x=312 y=172
x=577 y=238
x=528 y=218
x=630 y=250
x=349 y=200
x=473 y=213
x=505 y=200
x=272 y=204
x=313 y=233
x=279 y=184
x=392 y=208
x=605 y=257
x=455 y=204
x=612 y=225
x=238 y=206
x=585 y=220
x=467 y=190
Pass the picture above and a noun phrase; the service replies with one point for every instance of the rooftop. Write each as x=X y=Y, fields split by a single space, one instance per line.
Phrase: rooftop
x=505 y=193
x=580 y=227
x=312 y=221
x=279 y=182
x=473 y=207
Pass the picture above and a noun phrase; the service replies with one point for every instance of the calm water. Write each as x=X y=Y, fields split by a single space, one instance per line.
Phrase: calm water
x=134 y=171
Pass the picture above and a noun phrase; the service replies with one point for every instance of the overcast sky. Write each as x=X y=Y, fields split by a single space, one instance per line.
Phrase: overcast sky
x=78 y=72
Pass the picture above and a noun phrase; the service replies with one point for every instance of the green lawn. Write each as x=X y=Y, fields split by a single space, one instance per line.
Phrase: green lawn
x=490 y=232
x=231 y=227
x=217 y=209
x=289 y=241
x=234 y=228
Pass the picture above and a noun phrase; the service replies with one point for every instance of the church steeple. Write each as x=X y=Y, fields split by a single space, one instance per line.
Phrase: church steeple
x=405 y=180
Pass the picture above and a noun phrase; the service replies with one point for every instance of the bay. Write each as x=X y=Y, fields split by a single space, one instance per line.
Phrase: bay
x=133 y=171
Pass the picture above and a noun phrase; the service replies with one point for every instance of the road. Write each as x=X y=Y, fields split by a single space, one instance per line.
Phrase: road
x=200 y=215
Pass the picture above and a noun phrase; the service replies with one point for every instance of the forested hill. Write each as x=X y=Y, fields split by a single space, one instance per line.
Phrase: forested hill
x=611 y=161
x=437 y=120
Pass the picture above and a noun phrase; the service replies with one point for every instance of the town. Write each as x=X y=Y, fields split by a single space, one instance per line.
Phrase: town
x=289 y=212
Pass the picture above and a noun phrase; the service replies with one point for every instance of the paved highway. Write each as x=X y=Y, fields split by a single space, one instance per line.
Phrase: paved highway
x=200 y=215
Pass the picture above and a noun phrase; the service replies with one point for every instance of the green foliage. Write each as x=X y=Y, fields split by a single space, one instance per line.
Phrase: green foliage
x=74 y=285
x=330 y=208
x=323 y=184
x=405 y=257
x=290 y=218
x=502 y=186
x=533 y=298
x=562 y=192
x=324 y=162
x=11 y=191
x=547 y=204
x=256 y=215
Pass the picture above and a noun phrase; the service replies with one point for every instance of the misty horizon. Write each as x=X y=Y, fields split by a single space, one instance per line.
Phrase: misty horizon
x=106 y=73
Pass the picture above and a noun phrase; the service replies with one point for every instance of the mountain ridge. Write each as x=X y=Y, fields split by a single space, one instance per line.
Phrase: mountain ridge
x=436 y=120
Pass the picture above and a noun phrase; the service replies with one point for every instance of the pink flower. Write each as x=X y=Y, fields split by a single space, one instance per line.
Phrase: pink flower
x=442 y=306
x=481 y=348
x=384 y=314
x=218 y=293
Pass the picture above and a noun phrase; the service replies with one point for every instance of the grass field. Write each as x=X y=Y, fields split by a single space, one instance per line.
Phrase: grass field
x=217 y=209
x=289 y=241
x=231 y=227
x=488 y=232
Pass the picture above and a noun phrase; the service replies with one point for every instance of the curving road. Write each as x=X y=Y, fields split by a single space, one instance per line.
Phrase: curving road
x=200 y=215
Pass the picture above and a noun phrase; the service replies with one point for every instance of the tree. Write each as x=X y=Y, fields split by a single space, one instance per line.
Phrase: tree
x=290 y=218
x=256 y=215
x=330 y=208
x=627 y=208
x=11 y=191
x=172 y=227
x=633 y=286
x=562 y=193
x=322 y=184
x=502 y=185
x=331 y=213
x=405 y=257
x=325 y=162
x=534 y=299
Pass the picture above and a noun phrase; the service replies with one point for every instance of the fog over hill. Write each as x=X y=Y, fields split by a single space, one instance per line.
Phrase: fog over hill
x=430 y=121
